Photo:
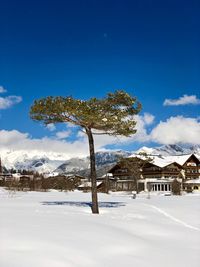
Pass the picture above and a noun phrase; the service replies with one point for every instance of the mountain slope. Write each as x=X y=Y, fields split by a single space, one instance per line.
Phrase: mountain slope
x=169 y=150
x=33 y=160
x=62 y=164
x=103 y=159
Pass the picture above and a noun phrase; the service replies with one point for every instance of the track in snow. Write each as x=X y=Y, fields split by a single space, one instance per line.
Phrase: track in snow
x=174 y=218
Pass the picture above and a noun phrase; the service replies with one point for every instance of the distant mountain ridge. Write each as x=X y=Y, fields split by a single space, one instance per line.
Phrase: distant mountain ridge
x=80 y=166
x=169 y=150
x=56 y=163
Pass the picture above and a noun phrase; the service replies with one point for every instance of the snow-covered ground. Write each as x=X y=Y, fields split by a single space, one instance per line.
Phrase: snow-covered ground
x=56 y=229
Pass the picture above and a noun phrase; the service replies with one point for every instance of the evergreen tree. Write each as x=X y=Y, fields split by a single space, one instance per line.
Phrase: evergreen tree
x=176 y=187
x=112 y=115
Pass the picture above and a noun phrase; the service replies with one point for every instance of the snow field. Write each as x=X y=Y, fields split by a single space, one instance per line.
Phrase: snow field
x=36 y=230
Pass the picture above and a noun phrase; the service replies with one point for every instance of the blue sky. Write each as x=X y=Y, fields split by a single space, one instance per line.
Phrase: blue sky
x=88 y=48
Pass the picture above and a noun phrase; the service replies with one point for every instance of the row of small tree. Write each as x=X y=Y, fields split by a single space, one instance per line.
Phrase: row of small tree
x=61 y=183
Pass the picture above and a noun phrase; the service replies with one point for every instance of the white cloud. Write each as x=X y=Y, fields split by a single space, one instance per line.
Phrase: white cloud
x=15 y=140
x=10 y=138
x=174 y=130
x=2 y=90
x=51 y=127
x=70 y=125
x=63 y=134
x=142 y=123
x=148 y=118
x=7 y=102
x=183 y=100
x=177 y=130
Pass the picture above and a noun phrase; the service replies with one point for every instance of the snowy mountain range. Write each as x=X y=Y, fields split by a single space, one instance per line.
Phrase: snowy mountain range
x=55 y=163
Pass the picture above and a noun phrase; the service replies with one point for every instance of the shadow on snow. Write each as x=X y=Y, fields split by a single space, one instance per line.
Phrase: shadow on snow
x=84 y=204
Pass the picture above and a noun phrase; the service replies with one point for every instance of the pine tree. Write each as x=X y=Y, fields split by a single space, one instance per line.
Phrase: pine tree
x=176 y=187
x=112 y=115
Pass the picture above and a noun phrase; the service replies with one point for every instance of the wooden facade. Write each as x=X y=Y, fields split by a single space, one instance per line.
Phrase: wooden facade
x=171 y=170
x=122 y=179
x=192 y=168
x=156 y=177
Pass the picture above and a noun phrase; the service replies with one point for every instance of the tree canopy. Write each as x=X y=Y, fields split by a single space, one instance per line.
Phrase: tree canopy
x=111 y=115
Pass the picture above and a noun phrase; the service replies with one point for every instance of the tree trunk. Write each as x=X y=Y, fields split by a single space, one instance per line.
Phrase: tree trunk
x=93 y=176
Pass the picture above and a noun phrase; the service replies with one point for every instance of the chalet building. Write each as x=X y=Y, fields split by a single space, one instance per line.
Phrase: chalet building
x=192 y=168
x=159 y=174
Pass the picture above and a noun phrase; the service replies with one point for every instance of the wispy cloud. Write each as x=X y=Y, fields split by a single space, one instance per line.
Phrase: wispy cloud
x=63 y=134
x=183 y=100
x=7 y=102
x=51 y=127
x=2 y=90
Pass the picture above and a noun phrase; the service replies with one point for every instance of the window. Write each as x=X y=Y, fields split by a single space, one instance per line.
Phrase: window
x=125 y=186
x=119 y=186
x=191 y=164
